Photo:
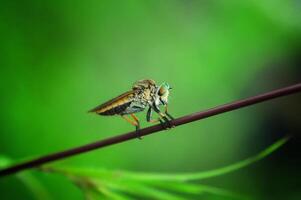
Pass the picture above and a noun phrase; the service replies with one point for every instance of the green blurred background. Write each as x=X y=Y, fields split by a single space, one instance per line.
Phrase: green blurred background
x=61 y=58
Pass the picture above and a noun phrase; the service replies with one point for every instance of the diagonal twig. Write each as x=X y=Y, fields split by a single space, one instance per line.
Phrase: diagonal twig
x=152 y=129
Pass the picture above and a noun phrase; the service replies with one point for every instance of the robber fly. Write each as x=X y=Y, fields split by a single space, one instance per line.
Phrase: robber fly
x=144 y=94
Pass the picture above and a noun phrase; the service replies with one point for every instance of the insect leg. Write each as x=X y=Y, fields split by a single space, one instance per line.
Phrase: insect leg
x=163 y=116
x=149 y=114
x=134 y=123
x=137 y=125
x=149 y=118
x=166 y=112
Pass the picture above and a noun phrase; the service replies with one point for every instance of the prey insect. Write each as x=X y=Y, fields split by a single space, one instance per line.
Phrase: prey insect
x=144 y=94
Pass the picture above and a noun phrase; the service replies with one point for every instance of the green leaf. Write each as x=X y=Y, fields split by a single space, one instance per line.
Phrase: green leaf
x=113 y=194
x=84 y=172
x=140 y=190
x=181 y=187
x=195 y=189
x=211 y=173
x=34 y=185
x=119 y=184
x=92 y=194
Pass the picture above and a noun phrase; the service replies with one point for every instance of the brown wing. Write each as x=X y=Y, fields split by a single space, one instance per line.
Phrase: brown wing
x=115 y=105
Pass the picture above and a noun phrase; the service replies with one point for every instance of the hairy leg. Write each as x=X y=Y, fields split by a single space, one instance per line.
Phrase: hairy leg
x=163 y=116
x=166 y=112
x=149 y=118
x=134 y=122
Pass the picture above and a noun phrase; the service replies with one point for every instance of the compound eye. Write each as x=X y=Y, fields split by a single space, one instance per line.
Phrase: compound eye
x=162 y=91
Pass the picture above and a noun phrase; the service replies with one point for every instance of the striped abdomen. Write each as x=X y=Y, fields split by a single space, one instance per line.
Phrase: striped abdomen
x=118 y=110
x=116 y=106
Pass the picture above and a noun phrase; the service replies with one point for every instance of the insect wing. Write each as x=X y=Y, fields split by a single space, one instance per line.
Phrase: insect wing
x=116 y=102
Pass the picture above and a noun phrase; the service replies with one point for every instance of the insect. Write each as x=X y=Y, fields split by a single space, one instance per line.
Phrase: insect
x=144 y=94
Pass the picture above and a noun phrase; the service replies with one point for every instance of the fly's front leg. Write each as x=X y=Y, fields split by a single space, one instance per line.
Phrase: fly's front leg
x=149 y=118
x=170 y=117
x=163 y=116
x=166 y=112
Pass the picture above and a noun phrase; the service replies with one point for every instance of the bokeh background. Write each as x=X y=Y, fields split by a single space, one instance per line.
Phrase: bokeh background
x=61 y=58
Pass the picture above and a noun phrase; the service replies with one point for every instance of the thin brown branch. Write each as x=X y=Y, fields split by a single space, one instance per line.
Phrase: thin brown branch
x=152 y=129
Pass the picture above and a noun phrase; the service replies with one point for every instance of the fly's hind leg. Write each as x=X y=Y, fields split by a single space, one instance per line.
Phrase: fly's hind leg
x=134 y=123
x=137 y=125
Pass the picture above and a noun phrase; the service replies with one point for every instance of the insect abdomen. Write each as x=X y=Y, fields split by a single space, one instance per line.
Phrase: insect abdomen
x=116 y=105
x=119 y=109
